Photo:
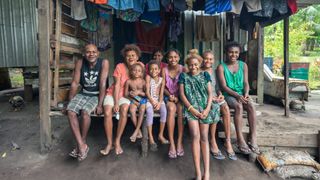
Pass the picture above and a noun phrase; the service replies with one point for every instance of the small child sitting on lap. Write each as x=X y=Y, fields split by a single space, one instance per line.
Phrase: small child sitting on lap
x=135 y=91
x=154 y=91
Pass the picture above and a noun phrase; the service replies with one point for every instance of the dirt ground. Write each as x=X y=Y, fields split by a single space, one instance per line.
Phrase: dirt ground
x=22 y=128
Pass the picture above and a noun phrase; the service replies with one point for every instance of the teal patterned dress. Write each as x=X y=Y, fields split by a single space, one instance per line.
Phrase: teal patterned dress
x=196 y=91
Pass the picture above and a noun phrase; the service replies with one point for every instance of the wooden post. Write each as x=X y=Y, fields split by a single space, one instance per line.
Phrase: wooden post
x=44 y=74
x=57 y=52
x=286 y=65
x=260 y=78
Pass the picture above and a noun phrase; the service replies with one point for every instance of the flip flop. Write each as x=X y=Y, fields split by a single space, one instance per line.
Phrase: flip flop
x=153 y=147
x=83 y=156
x=172 y=155
x=217 y=155
x=244 y=150
x=104 y=151
x=74 y=153
x=254 y=148
x=180 y=152
x=232 y=156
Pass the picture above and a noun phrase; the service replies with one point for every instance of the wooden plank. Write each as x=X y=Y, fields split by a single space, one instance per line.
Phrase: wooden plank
x=260 y=78
x=286 y=65
x=44 y=74
x=57 y=52
x=69 y=50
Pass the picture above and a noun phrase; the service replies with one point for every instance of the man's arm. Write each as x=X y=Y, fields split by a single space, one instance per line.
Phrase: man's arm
x=76 y=79
x=102 y=84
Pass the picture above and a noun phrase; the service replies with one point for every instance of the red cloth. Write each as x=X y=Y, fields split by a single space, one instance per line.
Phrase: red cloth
x=150 y=37
x=292 y=4
x=99 y=1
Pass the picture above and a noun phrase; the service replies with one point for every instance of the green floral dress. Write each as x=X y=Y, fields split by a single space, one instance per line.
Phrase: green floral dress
x=196 y=91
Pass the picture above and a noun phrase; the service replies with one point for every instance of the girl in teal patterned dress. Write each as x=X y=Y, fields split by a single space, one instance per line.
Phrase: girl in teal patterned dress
x=196 y=94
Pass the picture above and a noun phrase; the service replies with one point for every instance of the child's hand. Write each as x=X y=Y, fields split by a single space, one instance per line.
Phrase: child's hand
x=204 y=114
x=215 y=99
x=242 y=99
x=195 y=113
x=116 y=108
x=220 y=98
x=157 y=106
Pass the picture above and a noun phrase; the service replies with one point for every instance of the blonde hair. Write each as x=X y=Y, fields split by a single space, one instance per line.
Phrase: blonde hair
x=193 y=54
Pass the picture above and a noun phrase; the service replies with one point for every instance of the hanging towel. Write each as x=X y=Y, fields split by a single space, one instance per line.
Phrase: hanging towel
x=208 y=28
x=78 y=11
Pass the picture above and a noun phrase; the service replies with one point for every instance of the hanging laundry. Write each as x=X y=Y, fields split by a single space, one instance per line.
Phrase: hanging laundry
x=136 y=5
x=153 y=5
x=99 y=1
x=78 y=11
x=101 y=38
x=176 y=5
x=268 y=6
x=152 y=17
x=175 y=27
x=252 y=5
x=129 y=15
x=217 y=6
x=90 y=23
x=150 y=37
x=292 y=4
x=208 y=28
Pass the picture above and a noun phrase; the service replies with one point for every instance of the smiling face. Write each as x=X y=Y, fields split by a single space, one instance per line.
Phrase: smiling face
x=131 y=58
x=154 y=70
x=91 y=53
x=208 y=60
x=233 y=54
x=194 y=66
x=136 y=71
x=173 y=58
x=158 y=56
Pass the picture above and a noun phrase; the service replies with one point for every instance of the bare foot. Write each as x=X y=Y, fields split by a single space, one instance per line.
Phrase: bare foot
x=163 y=140
x=106 y=150
x=133 y=137
x=118 y=149
x=139 y=136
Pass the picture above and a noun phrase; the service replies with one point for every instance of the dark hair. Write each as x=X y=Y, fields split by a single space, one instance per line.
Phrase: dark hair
x=207 y=52
x=153 y=62
x=172 y=50
x=193 y=54
x=231 y=44
x=130 y=47
x=157 y=50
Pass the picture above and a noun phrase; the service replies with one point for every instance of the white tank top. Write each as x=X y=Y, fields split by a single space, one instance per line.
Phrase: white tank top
x=155 y=88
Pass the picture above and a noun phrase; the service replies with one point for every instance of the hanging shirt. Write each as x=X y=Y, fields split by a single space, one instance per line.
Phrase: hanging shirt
x=292 y=4
x=269 y=6
x=251 y=5
x=78 y=11
x=208 y=28
x=217 y=6
x=90 y=23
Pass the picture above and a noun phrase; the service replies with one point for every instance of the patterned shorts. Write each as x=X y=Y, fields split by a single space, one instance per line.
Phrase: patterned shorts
x=83 y=102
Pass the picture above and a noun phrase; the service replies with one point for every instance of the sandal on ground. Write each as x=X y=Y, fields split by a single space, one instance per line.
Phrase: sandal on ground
x=153 y=147
x=254 y=148
x=172 y=155
x=74 y=153
x=232 y=156
x=244 y=150
x=83 y=156
x=217 y=155
x=180 y=152
x=105 y=152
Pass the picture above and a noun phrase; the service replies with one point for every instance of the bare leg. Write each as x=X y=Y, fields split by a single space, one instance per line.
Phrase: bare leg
x=171 y=108
x=161 y=137
x=238 y=123
x=252 y=119
x=74 y=124
x=133 y=112
x=108 y=124
x=195 y=135
x=180 y=129
x=142 y=110
x=85 y=125
x=225 y=111
x=151 y=139
x=214 y=147
x=121 y=125
x=205 y=150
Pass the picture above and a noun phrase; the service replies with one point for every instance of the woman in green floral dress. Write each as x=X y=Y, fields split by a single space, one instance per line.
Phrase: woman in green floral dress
x=196 y=94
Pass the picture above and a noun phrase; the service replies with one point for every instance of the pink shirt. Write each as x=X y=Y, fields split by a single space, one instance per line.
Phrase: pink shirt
x=121 y=71
x=172 y=83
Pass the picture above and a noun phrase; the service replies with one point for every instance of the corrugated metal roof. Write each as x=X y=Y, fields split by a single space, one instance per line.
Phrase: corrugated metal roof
x=18 y=29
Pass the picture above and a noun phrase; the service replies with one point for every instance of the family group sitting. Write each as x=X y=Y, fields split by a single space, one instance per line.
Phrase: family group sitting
x=195 y=94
